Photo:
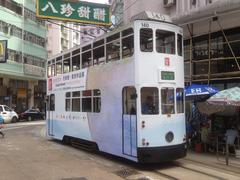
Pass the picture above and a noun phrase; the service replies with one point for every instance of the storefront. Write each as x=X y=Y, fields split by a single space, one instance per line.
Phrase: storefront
x=22 y=94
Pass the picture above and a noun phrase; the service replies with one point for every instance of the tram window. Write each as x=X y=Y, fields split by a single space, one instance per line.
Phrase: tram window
x=98 y=43
x=85 y=48
x=180 y=100
x=127 y=46
x=113 y=51
x=146 y=40
x=68 y=104
x=66 y=65
x=52 y=102
x=165 y=42
x=96 y=100
x=149 y=100
x=77 y=51
x=96 y=104
x=113 y=37
x=75 y=62
x=59 y=58
x=76 y=104
x=66 y=55
x=129 y=100
x=86 y=59
x=86 y=101
x=59 y=67
x=179 y=45
x=127 y=32
x=68 y=101
x=49 y=73
x=167 y=96
x=87 y=104
x=98 y=55
x=53 y=70
x=96 y=92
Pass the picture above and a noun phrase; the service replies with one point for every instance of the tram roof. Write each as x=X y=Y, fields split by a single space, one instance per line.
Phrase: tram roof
x=143 y=16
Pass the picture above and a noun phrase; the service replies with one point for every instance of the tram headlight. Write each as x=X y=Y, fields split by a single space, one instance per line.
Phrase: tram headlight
x=169 y=137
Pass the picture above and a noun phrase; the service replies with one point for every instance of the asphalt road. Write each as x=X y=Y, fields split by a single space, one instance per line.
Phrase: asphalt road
x=26 y=154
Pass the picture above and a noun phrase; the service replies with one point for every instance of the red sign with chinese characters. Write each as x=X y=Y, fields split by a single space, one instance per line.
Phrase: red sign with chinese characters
x=167 y=61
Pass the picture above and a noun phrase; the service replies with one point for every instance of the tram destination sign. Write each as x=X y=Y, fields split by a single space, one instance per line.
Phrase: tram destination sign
x=167 y=75
x=74 y=11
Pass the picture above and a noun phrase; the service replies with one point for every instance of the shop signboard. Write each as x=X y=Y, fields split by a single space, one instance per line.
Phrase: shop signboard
x=74 y=11
x=3 y=51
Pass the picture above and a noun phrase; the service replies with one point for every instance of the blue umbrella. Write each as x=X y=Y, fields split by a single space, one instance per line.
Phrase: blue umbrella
x=198 y=90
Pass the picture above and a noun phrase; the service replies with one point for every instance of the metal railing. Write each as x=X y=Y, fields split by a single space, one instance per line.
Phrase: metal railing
x=223 y=147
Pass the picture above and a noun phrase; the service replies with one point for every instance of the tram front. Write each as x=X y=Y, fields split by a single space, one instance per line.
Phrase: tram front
x=159 y=78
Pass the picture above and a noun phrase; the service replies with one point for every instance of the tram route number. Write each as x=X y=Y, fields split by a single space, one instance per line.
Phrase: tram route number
x=145 y=25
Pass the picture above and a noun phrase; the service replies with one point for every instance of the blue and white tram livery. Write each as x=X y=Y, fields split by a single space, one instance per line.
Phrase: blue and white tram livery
x=122 y=94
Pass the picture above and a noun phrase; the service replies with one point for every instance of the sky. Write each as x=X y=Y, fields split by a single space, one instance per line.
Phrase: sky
x=98 y=1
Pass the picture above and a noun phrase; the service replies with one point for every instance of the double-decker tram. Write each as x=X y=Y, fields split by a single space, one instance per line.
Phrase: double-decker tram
x=122 y=94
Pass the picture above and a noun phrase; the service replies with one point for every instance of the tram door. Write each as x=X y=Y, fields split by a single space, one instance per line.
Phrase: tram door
x=129 y=121
x=50 y=110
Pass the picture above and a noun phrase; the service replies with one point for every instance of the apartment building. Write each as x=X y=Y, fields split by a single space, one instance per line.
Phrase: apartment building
x=22 y=77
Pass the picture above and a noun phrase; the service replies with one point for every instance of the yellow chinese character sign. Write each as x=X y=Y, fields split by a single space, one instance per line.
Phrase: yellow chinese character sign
x=3 y=51
x=78 y=11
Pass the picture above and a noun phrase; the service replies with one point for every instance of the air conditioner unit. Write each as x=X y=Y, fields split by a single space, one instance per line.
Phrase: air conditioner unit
x=169 y=3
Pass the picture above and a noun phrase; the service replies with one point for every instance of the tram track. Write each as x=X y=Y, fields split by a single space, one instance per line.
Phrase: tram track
x=171 y=172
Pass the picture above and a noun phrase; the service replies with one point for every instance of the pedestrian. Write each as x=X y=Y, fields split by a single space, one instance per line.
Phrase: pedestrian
x=205 y=136
x=231 y=135
x=1 y=126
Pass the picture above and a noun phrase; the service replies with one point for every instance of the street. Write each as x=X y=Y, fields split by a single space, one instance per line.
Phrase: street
x=26 y=154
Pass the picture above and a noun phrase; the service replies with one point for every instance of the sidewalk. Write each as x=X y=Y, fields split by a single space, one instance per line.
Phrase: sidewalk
x=210 y=159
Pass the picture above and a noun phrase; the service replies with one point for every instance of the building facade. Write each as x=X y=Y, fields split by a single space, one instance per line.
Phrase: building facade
x=61 y=36
x=22 y=77
x=211 y=33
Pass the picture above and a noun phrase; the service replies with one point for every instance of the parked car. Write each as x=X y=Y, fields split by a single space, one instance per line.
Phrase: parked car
x=31 y=114
x=8 y=114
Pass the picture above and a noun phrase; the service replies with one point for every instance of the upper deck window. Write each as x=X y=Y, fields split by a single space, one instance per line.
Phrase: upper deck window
x=113 y=47
x=98 y=52
x=179 y=44
x=146 y=40
x=165 y=42
x=127 y=43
